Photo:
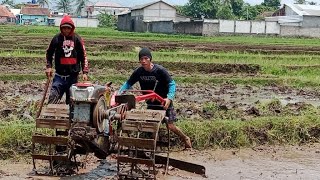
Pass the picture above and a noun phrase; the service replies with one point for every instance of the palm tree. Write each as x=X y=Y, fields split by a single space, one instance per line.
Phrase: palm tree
x=42 y=3
x=64 y=5
x=8 y=2
x=80 y=5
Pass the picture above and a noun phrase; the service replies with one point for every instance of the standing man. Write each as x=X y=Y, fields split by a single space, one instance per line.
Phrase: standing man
x=69 y=59
x=155 y=77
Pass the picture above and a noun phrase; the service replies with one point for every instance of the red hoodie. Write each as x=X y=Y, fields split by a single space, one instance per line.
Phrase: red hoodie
x=68 y=20
x=69 y=52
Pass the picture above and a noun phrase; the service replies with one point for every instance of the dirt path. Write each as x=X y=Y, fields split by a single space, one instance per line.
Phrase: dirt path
x=265 y=162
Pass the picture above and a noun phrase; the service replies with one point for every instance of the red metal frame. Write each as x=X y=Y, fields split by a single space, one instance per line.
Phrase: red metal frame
x=84 y=84
x=151 y=95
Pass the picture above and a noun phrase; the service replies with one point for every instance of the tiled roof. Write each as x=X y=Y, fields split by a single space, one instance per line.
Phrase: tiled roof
x=4 y=12
x=35 y=11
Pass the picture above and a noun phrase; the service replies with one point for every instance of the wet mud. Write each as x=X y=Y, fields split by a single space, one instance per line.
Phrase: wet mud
x=262 y=162
x=192 y=101
x=22 y=98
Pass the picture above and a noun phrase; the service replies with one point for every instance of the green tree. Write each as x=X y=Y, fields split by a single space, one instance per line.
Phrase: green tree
x=8 y=2
x=312 y=3
x=225 y=12
x=80 y=5
x=64 y=5
x=42 y=3
x=237 y=7
x=18 y=6
x=107 y=20
x=271 y=3
x=201 y=8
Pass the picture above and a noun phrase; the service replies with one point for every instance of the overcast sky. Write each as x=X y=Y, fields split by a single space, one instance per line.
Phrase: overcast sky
x=130 y=3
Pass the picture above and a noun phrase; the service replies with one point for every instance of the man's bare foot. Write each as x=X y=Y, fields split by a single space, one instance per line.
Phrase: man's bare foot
x=187 y=143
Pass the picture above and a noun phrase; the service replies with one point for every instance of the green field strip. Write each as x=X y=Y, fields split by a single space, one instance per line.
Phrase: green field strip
x=110 y=33
x=297 y=82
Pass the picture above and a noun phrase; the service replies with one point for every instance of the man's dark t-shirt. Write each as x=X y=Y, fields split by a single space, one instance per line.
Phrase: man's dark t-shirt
x=158 y=79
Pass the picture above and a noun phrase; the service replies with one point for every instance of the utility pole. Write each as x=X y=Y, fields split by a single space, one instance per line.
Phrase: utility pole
x=247 y=13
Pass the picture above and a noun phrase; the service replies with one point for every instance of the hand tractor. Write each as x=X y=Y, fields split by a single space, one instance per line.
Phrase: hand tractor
x=96 y=122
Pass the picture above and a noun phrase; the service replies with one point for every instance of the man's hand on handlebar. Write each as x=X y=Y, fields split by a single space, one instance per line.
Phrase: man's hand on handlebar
x=167 y=103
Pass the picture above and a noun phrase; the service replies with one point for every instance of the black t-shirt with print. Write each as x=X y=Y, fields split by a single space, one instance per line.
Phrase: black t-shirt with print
x=157 y=79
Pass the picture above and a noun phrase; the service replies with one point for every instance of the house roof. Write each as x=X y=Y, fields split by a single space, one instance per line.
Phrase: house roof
x=149 y=4
x=107 y=4
x=305 y=10
x=5 y=12
x=35 y=11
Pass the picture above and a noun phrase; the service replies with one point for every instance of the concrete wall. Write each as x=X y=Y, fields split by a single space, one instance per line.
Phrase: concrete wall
x=300 y=31
x=226 y=26
x=124 y=22
x=137 y=13
x=156 y=12
x=160 y=27
x=311 y=21
x=194 y=28
x=272 y=28
x=139 y=26
x=258 y=27
x=243 y=27
x=80 y=22
x=210 y=28
x=216 y=27
x=159 y=12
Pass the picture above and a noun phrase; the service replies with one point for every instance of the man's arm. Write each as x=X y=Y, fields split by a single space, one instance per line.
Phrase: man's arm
x=124 y=87
x=171 y=85
x=49 y=56
x=83 y=59
x=130 y=82
x=172 y=90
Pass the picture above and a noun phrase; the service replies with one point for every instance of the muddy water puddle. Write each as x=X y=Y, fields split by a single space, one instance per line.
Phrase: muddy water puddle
x=265 y=162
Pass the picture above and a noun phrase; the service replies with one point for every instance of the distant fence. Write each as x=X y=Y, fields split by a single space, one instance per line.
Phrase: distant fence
x=216 y=27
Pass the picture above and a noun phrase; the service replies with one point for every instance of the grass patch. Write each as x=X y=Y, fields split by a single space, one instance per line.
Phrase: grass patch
x=265 y=130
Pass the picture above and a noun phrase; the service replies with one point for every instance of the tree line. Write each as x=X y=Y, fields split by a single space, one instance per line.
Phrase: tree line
x=65 y=6
x=211 y=9
x=231 y=9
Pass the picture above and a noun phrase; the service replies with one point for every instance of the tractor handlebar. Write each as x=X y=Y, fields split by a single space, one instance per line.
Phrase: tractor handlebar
x=148 y=95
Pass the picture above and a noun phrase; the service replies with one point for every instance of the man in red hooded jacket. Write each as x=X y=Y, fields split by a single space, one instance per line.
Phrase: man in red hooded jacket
x=70 y=59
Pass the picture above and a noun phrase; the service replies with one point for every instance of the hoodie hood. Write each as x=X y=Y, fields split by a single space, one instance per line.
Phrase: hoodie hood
x=67 y=20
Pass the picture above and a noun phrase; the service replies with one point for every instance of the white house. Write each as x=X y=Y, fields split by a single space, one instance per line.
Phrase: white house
x=297 y=15
x=154 y=11
x=106 y=7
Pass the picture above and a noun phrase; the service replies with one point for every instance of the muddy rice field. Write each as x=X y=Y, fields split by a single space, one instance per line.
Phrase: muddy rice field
x=206 y=91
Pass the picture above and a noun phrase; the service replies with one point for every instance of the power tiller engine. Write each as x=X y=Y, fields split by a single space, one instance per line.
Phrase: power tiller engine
x=93 y=119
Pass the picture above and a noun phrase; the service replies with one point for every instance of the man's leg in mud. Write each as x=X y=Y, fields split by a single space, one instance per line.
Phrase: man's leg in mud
x=56 y=91
x=171 y=114
x=172 y=127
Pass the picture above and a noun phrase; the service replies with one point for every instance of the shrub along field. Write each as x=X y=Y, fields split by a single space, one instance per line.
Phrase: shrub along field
x=232 y=91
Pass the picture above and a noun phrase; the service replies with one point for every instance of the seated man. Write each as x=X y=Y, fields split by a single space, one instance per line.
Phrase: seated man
x=155 y=77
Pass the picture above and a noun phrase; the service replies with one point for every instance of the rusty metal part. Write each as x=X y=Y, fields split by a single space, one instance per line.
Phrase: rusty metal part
x=44 y=96
x=139 y=132
x=183 y=165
